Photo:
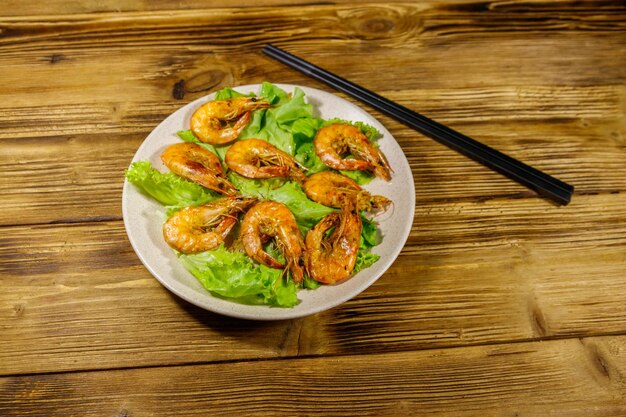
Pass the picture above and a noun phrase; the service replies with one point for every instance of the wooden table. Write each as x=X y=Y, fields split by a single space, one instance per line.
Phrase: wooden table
x=501 y=302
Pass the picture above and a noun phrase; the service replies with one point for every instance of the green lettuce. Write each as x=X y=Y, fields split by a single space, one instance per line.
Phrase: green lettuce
x=167 y=188
x=306 y=156
x=360 y=177
x=276 y=123
x=369 y=239
x=273 y=93
x=233 y=275
x=364 y=259
x=369 y=233
x=228 y=93
x=305 y=128
x=188 y=136
x=306 y=212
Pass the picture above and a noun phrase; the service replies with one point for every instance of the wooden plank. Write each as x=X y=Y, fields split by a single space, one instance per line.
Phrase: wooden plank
x=149 y=75
x=557 y=378
x=85 y=184
x=75 y=297
x=63 y=7
x=498 y=107
x=148 y=53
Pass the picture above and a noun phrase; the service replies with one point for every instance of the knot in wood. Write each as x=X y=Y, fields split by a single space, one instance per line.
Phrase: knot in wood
x=205 y=80
x=377 y=26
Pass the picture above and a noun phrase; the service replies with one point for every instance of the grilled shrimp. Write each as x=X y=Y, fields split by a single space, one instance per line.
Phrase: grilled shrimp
x=271 y=220
x=219 y=122
x=330 y=259
x=334 y=141
x=336 y=190
x=196 y=229
x=257 y=158
x=193 y=162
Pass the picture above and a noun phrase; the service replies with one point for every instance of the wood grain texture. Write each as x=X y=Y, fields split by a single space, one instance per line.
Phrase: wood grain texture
x=63 y=7
x=425 y=46
x=110 y=79
x=75 y=297
x=526 y=379
x=501 y=304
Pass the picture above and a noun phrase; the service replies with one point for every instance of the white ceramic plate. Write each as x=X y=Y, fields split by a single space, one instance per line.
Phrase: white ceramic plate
x=143 y=220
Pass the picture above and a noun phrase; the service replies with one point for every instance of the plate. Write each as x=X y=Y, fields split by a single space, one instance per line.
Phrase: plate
x=143 y=217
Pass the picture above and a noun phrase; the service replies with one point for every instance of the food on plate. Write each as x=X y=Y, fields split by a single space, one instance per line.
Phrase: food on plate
x=333 y=143
x=193 y=162
x=241 y=203
x=331 y=258
x=270 y=220
x=201 y=228
x=336 y=190
x=219 y=122
x=257 y=159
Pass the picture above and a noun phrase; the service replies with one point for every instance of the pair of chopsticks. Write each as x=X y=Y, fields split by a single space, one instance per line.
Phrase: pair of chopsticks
x=539 y=181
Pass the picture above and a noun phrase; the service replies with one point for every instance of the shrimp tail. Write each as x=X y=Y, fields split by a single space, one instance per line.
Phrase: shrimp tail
x=375 y=203
x=298 y=175
x=382 y=169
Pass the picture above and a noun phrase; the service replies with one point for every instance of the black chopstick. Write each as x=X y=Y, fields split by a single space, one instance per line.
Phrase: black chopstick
x=541 y=182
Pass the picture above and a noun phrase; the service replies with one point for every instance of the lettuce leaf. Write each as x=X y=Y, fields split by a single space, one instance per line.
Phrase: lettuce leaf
x=310 y=284
x=293 y=110
x=264 y=126
x=255 y=188
x=275 y=124
x=188 y=136
x=365 y=259
x=369 y=233
x=360 y=177
x=233 y=275
x=227 y=93
x=306 y=156
x=167 y=188
x=306 y=212
x=273 y=93
x=305 y=128
x=369 y=239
